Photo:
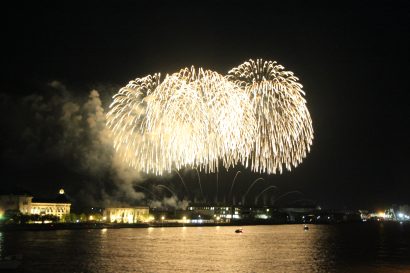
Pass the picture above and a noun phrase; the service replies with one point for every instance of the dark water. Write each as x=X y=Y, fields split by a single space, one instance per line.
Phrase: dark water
x=378 y=247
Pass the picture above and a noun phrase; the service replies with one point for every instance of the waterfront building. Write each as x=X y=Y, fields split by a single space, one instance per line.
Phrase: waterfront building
x=58 y=206
x=23 y=202
x=217 y=213
x=17 y=201
x=126 y=215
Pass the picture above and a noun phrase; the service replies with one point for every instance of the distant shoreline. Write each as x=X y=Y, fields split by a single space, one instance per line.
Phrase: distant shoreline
x=82 y=226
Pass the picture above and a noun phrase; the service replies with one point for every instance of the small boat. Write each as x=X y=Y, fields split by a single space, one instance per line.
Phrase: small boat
x=305 y=227
x=239 y=230
x=10 y=262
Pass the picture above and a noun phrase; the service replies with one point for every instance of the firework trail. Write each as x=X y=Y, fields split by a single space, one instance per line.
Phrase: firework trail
x=167 y=188
x=256 y=115
x=233 y=183
x=250 y=187
x=199 y=182
x=263 y=191
x=182 y=181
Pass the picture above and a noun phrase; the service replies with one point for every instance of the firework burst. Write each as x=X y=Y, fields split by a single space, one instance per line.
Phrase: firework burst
x=284 y=127
x=193 y=118
x=125 y=119
x=255 y=115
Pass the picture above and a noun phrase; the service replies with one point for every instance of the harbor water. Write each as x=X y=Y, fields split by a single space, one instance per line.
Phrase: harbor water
x=361 y=247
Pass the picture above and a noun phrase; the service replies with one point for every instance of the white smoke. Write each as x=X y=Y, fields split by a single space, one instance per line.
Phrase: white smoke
x=62 y=127
x=72 y=129
x=172 y=202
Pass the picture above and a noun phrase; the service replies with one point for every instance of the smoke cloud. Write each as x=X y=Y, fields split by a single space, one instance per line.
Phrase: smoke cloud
x=70 y=129
x=173 y=202
x=60 y=139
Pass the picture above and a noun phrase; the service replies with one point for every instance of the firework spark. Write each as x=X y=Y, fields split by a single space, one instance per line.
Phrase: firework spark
x=126 y=117
x=196 y=118
x=284 y=127
x=193 y=118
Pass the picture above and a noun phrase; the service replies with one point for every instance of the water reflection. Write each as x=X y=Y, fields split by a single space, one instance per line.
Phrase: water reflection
x=281 y=248
x=1 y=244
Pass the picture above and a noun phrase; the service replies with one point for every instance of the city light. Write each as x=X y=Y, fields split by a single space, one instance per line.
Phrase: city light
x=403 y=216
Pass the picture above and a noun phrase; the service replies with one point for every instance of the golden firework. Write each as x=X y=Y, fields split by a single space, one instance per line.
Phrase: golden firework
x=193 y=118
x=256 y=115
x=284 y=127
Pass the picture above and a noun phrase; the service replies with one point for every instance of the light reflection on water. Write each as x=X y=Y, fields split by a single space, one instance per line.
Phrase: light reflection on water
x=281 y=248
x=1 y=244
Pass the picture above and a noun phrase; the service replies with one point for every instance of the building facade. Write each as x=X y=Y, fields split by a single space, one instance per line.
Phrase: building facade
x=126 y=215
x=15 y=202
x=46 y=208
x=25 y=203
x=217 y=213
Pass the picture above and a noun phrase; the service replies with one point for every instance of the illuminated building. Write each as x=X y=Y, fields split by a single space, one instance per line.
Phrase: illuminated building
x=218 y=213
x=126 y=215
x=25 y=203
x=16 y=202
x=58 y=206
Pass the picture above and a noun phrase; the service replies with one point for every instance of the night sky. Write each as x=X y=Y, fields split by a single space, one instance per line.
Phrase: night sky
x=352 y=59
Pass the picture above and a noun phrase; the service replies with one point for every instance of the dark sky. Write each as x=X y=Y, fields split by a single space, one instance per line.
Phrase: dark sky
x=352 y=59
